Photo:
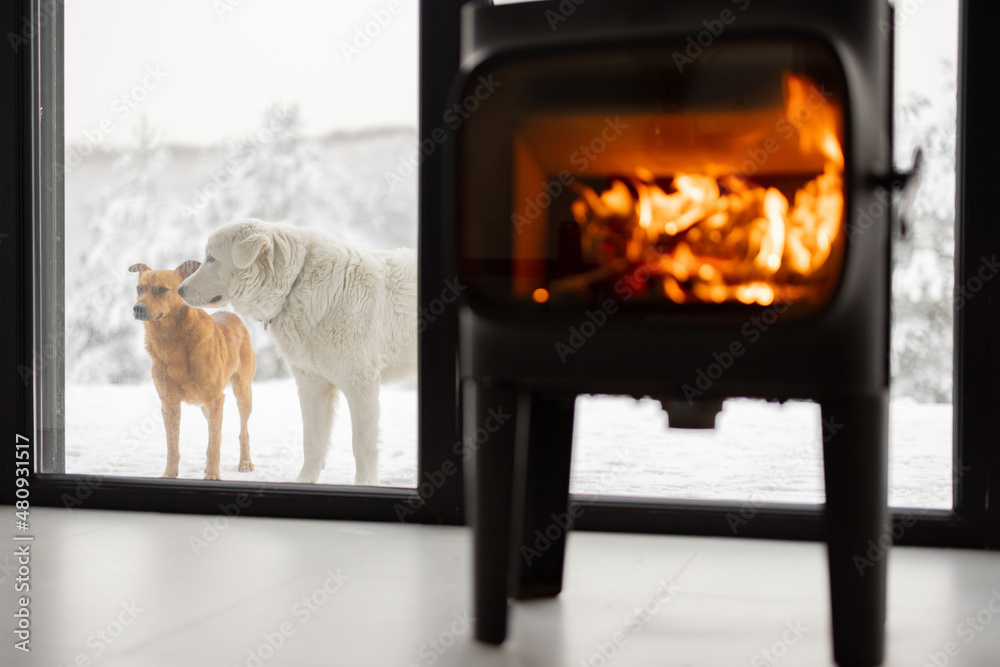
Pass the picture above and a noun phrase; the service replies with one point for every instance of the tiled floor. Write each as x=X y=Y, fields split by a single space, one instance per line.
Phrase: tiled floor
x=119 y=589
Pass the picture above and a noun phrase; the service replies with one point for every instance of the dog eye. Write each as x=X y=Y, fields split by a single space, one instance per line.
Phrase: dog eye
x=161 y=290
x=209 y=259
x=138 y=289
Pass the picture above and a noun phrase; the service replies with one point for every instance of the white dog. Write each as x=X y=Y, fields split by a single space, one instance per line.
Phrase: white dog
x=343 y=318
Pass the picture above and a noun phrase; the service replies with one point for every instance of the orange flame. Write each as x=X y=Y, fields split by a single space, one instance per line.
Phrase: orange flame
x=717 y=239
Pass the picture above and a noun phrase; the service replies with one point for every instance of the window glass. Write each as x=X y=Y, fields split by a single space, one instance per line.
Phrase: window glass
x=763 y=452
x=183 y=115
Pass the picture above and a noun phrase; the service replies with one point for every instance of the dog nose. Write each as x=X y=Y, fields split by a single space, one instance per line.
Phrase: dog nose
x=139 y=311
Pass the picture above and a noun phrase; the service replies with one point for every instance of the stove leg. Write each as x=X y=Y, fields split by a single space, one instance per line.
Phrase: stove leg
x=855 y=453
x=490 y=422
x=541 y=494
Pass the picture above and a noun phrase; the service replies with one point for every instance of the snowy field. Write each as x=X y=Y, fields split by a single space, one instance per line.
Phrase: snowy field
x=760 y=452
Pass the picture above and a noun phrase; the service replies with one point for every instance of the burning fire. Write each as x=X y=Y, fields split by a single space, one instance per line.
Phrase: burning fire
x=718 y=237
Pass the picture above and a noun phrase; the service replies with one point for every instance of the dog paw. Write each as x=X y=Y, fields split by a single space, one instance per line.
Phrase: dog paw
x=169 y=475
x=212 y=476
x=246 y=466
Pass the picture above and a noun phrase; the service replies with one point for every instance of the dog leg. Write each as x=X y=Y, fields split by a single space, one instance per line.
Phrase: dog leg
x=317 y=399
x=244 y=401
x=171 y=410
x=213 y=413
x=363 y=403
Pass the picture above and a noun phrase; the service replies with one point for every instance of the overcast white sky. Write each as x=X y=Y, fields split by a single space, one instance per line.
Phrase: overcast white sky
x=222 y=69
x=927 y=34
x=219 y=70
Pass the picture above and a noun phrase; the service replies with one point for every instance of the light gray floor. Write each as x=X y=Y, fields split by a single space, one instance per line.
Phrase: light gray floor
x=120 y=589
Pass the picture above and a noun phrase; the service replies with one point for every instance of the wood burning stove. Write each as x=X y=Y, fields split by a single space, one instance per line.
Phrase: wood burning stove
x=664 y=198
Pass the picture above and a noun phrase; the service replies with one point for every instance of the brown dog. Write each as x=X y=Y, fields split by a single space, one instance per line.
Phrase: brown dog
x=194 y=356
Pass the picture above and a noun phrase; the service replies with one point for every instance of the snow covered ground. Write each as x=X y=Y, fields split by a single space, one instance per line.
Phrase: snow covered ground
x=759 y=452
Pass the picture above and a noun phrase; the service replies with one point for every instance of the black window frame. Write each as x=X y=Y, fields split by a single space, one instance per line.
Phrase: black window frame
x=439 y=497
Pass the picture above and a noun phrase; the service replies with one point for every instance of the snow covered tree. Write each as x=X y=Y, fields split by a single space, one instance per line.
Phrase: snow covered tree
x=331 y=184
x=923 y=275
x=158 y=206
x=129 y=223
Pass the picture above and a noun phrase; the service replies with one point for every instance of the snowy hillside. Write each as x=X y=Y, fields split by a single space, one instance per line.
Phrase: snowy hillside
x=157 y=204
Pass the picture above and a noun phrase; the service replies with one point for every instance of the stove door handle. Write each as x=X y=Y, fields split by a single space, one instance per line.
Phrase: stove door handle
x=905 y=184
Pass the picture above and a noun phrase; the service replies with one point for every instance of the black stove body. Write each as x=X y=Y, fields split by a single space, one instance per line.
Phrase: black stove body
x=683 y=200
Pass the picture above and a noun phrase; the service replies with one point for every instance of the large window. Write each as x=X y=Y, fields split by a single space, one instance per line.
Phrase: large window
x=130 y=130
x=182 y=116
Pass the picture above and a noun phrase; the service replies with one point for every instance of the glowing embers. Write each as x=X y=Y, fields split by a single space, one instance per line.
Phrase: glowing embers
x=718 y=237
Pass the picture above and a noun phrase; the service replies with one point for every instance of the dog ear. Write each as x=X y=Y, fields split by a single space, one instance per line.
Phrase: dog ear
x=188 y=267
x=139 y=268
x=281 y=254
x=246 y=251
x=286 y=257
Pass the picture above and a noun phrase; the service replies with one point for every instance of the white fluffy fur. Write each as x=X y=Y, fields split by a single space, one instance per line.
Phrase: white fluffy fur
x=343 y=318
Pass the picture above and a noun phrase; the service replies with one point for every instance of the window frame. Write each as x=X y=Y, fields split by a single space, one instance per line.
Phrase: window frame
x=34 y=197
x=26 y=182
